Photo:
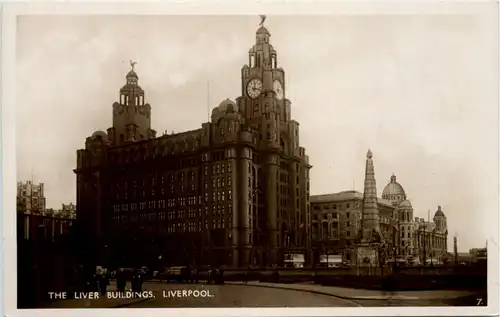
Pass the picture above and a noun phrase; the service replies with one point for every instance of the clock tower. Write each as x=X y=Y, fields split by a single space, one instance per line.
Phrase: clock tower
x=279 y=208
x=263 y=90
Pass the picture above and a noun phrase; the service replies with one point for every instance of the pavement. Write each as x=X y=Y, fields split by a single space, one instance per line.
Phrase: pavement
x=240 y=294
x=371 y=297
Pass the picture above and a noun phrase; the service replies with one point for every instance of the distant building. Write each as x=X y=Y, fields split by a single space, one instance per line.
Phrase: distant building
x=336 y=225
x=478 y=254
x=233 y=192
x=432 y=238
x=30 y=197
x=34 y=220
x=38 y=226
x=68 y=211
x=336 y=221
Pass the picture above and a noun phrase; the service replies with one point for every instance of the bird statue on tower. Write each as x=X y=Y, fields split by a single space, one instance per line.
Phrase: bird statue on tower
x=262 y=20
x=132 y=64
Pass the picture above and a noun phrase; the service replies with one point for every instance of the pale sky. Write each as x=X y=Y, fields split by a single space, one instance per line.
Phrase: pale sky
x=419 y=91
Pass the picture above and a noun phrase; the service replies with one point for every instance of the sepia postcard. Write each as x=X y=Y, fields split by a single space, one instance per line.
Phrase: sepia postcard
x=212 y=158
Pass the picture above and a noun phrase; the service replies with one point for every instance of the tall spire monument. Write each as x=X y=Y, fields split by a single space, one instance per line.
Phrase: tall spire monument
x=370 y=224
x=368 y=252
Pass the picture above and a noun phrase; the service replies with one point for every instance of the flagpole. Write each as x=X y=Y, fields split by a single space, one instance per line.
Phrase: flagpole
x=208 y=101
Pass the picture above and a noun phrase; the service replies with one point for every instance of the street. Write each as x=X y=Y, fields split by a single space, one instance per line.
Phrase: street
x=239 y=296
x=258 y=294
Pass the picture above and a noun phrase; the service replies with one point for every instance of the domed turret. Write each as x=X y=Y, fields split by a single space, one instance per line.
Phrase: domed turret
x=100 y=134
x=132 y=74
x=227 y=106
x=394 y=191
x=263 y=30
x=405 y=204
x=439 y=213
x=440 y=220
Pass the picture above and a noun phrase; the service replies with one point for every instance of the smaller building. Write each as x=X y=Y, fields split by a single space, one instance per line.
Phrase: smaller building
x=431 y=239
x=478 y=254
x=68 y=211
x=31 y=197
x=34 y=220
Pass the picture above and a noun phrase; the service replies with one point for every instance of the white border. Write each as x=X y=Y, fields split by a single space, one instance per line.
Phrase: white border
x=12 y=10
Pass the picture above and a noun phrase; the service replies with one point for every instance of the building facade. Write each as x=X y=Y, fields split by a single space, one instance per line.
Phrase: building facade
x=31 y=197
x=432 y=239
x=34 y=220
x=337 y=222
x=234 y=192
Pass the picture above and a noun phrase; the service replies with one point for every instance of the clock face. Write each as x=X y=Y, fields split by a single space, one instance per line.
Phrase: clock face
x=254 y=88
x=278 y=89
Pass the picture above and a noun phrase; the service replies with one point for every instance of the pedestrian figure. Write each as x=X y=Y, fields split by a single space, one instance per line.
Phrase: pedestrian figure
x=221 y=276
x=276 y=276
x=102 y=281
x=137 y=282
x=245 y=275
x=121 y=281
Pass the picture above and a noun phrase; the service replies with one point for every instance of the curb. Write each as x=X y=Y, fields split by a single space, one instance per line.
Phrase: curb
x=386 y=297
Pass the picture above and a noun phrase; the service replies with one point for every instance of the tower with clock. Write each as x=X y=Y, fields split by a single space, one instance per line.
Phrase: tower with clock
x=280 y=217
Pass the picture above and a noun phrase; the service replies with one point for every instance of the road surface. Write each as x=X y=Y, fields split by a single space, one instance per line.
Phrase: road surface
x=165 y=295
x=232 y=296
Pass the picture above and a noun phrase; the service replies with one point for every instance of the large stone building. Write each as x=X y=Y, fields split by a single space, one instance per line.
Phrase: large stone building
x=337 y=223
x=233 y=192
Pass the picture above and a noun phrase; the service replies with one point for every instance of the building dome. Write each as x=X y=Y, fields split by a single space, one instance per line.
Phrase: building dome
x=393 y=189
x=263 y=30
x=227 y=106
x=405 y=204
x=100 y=135
x=132 y=74
x=439 y=212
